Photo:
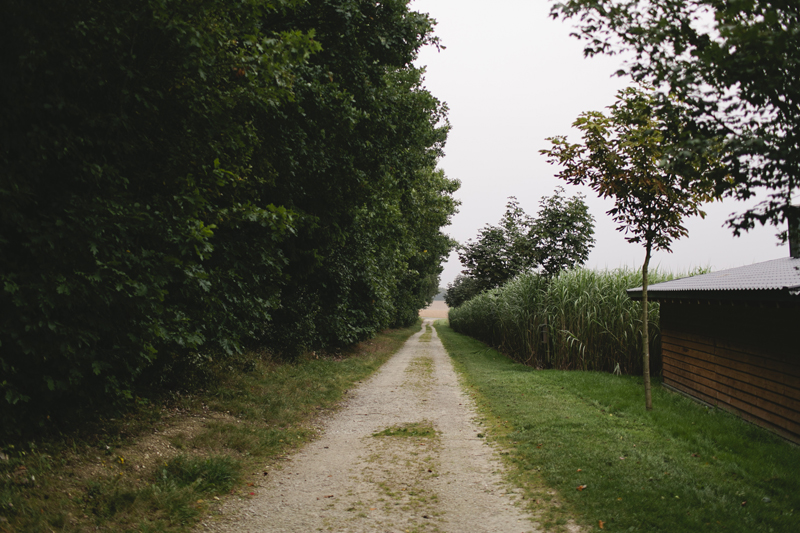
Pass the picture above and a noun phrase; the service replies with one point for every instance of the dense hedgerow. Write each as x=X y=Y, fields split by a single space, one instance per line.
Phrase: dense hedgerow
x=580 y=320
x=180 y=178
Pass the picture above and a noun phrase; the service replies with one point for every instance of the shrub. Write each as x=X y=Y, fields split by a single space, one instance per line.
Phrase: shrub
x=582 y=320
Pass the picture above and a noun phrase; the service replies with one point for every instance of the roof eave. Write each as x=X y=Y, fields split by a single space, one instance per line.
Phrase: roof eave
x=743 y=295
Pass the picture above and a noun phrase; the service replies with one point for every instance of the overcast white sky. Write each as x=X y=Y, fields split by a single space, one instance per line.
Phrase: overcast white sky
x=512 y=77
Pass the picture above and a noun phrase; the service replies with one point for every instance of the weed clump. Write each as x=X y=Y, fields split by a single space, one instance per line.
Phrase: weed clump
x=422 y=429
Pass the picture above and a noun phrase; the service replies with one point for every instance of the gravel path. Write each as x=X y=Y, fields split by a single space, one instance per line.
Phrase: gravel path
x=402 y=455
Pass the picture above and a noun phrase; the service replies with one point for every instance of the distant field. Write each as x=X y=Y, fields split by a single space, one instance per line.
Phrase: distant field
x=437 y=309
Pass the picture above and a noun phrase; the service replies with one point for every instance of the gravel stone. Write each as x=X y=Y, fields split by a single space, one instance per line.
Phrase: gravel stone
x=350 y=480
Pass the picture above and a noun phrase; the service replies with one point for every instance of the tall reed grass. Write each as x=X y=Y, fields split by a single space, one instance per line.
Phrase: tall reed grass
x=580 y=320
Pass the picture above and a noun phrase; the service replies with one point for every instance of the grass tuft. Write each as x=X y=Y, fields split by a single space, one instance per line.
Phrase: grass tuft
x=414 y=429
x=427 y=335
x=213 y=475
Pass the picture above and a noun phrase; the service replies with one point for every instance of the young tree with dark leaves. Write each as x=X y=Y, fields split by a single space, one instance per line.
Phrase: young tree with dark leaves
x=462 y=289
x=624 y=157
x=500 y=252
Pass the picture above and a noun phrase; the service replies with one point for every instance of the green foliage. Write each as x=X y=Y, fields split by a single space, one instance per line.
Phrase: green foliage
x=462 y=289
x=560 y=237
x=413 y=429
x=626 y=156
x=213 y=475
x=360 y=144
x=180 y=179
x=174 y=491
x=682 y=468
x=500 y=252
x=734 y=65
x=562 y=234
x=578 y=320
x=126 y=154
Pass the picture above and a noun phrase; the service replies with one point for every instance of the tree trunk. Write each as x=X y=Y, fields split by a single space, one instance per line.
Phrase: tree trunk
x=648 y=400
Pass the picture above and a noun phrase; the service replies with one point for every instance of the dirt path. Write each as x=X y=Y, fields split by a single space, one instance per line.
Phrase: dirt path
x=402 y=455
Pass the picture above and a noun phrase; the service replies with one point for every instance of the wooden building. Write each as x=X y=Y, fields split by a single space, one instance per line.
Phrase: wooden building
x=732 y=339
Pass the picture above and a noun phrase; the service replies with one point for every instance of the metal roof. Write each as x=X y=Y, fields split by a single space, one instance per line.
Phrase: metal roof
x=778 y=279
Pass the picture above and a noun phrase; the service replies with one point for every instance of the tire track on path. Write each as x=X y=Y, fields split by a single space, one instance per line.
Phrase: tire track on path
x=402 y=455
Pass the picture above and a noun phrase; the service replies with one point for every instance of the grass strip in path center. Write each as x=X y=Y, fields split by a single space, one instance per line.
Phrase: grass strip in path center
x=586 y=437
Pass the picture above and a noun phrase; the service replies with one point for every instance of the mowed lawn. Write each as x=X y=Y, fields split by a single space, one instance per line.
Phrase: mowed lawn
x=585 y=440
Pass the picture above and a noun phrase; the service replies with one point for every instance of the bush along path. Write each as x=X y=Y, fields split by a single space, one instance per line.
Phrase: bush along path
x=404 y=454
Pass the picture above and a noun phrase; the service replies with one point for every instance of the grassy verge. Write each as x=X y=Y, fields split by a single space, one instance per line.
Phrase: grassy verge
x=167 y=467
x=585 y=438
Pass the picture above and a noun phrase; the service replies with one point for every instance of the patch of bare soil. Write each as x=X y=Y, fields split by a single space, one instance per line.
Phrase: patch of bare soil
x=403 y=454
x=437 y=309
x=170 y=438
x=165 y=441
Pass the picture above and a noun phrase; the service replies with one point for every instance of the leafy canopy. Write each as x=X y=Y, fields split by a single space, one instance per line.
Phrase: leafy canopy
x=562 y=234
x=182 y=179
x=560 y=237
x=462 y=289
x=625 y=155
x=733 y=65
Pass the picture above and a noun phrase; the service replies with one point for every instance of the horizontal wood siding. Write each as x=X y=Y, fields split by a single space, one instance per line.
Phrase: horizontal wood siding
x=739 y=358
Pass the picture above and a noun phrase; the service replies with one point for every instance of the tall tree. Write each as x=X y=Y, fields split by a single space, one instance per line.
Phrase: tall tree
x=462 y=289
x=358 y=146
x=182 y=177
x=500 y=252
x=562 y=234
x=560 y=237
x=132 y=222
x=624 y=157
x=734 y=65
